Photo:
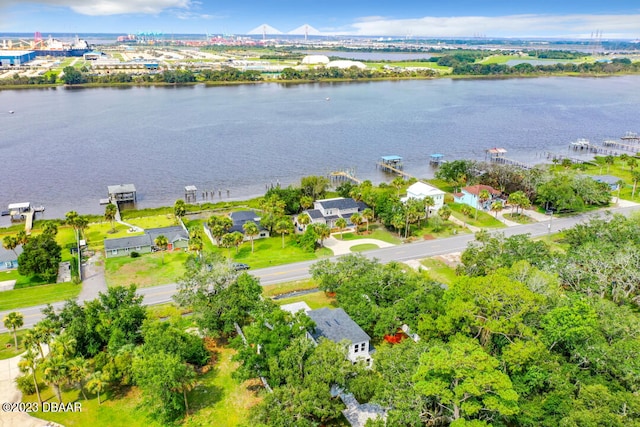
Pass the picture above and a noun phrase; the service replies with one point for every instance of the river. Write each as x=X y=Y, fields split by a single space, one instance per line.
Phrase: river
x=62 y=147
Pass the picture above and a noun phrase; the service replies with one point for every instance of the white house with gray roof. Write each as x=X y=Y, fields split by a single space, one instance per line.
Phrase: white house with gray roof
x=337 y=326
x=421 y=191
x=328 y=211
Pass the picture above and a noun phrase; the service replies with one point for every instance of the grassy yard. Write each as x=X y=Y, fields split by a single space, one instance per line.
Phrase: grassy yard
x=619 y=169
x=363 y=247
x=376 y=231
x=269 y=252
x=284 y=288
x=439 y=270
x=217 y=400
x=314 y=300
x=7 y=349
x=485 y=220
x=36 y=295
x=155 y=221
x=98 y=231
x=152 y=269
x=519 y=218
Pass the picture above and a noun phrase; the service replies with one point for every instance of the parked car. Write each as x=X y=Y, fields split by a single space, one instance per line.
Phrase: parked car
x=238 y=266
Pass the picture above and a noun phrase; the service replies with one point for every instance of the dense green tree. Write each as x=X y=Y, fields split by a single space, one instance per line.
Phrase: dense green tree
x=314 y=186
x=71 y=76
x=41 y=256
x=466 y=381
x=458 y=172
x=218 y=295
x=219 y=226
x=164 y=336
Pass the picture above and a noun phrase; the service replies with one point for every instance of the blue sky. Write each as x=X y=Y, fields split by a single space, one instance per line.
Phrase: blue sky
x=454 y=18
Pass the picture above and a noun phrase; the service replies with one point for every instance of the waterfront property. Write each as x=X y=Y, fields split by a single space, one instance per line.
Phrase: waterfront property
x=328 y=211
x=177 y=238
x=421 y=190
x=241 y=217
x=471 y=196
x=337 y=326
x=612 y=181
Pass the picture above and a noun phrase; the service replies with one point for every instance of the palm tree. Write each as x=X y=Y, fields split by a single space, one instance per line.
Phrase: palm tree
x=635 y=176
x=284 y=226
x=10 y=243
x=235 y=239
x=496 y=207
x=397 y=221
x=306 y=202
x=323 y=231
x=42 y=333
x=29 y=364
x=398 y=183
x=367 y=214
x=219 y=226
x=609 y=160
x=110 y=215
x=64 y=345
x=161 y=242
x=179 y=209
x=78 y=373
x=22 y=237
x=356 y=219
x=97 y=384
x=632 y=163
x=195 y=240
x=444 y=212
x=13 y=321
x=341 y=223
x=303 y=219
x=483 y=197
x=55 y=373
x=50 y=228
x=428 y=203
x=251 y=229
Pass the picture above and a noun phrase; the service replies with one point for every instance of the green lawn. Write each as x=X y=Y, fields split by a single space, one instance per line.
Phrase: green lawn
x=7 y=349
x=519 y=218
x=98 y=231
x=284 y=288
x=36 y=295
x=217 y=400
x=376 y=231
x=363 y=247
x=155 y=221
x=439 y=271
x=485 y=220
x=314 y=300
x=152 y=269
x=269 y=252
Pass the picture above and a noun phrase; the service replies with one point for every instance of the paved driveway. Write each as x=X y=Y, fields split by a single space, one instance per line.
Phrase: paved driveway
x=341 y=247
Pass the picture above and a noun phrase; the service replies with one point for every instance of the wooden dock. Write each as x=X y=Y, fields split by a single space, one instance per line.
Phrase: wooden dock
x=622 y=146
x=344 y=175
x=631 y=136
x=388 y=168
x=506 y=161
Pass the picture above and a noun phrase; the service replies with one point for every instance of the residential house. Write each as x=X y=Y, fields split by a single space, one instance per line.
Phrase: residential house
x=123 y=246
x=328 y=211
x=241 y=217
x=177 y=237
x=421 y=191
x=470 y=196
x=337 y=326
x=610 y=180
x=9 y=258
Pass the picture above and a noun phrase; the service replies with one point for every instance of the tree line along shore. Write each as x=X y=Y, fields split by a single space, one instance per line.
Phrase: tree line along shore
x=456 y=64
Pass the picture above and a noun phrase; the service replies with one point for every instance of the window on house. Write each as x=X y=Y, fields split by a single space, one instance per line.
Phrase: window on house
x=114 y=252
x=137 y=248
x=355 y=348
x=362 y=346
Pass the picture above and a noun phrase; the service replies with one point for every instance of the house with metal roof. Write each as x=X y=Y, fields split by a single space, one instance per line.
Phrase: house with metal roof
x=177 y=236
x=337 y=326
x=239 y=218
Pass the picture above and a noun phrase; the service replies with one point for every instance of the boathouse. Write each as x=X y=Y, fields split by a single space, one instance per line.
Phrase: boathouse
x=122 y=193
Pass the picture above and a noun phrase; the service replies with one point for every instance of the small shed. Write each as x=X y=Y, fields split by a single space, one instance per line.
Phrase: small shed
x=122 y=193
x=190 y=193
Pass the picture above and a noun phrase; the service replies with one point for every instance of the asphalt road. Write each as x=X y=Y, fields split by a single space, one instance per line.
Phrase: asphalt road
x=300 y=270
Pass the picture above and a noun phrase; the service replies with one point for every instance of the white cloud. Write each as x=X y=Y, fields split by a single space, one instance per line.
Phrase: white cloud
x=577 y=25
x=118 y=7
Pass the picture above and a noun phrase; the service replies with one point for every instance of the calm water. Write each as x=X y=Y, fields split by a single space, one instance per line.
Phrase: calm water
x=62 y=147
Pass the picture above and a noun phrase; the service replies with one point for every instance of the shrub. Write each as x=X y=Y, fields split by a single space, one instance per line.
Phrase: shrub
x=25 y=384
x=135 y=254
